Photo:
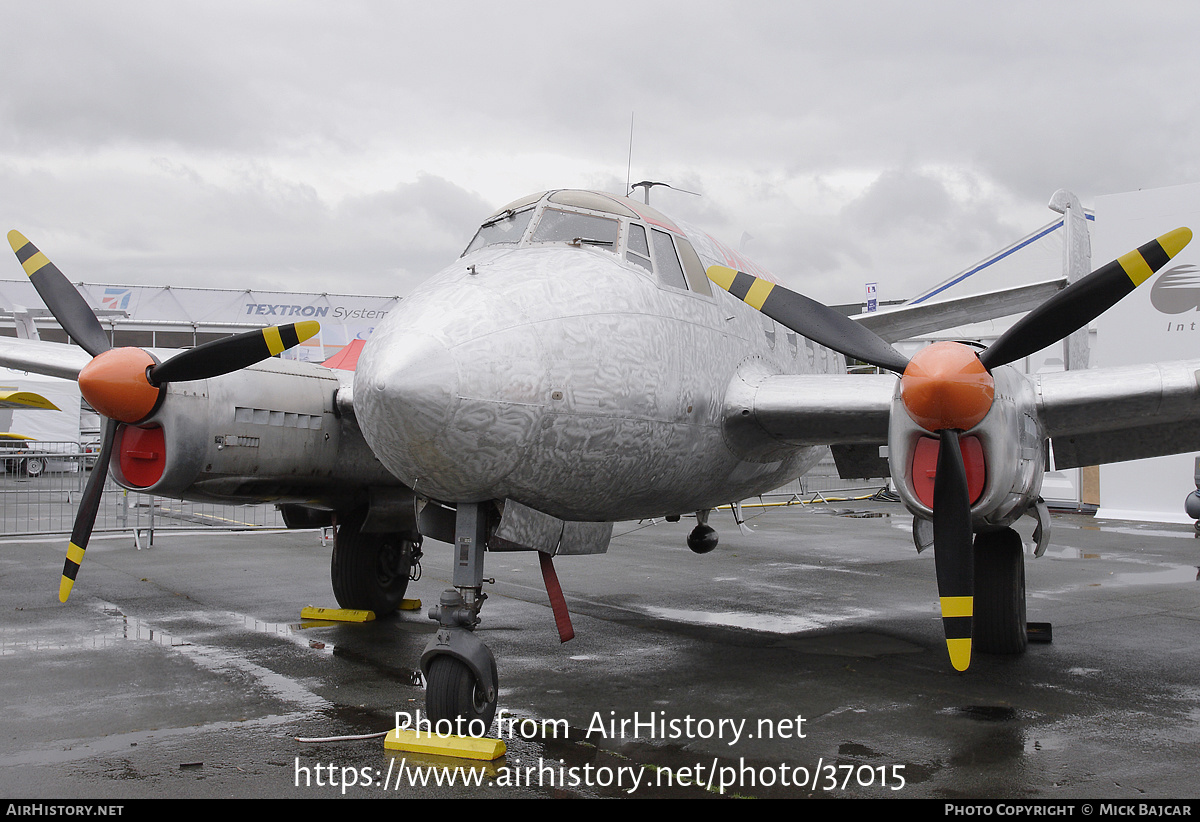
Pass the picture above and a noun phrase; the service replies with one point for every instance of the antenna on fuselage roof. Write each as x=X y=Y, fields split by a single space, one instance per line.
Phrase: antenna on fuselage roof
x=629 y=161
x=649 y=184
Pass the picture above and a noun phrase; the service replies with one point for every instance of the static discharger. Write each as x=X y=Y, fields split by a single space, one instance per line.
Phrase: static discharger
x=481 y=748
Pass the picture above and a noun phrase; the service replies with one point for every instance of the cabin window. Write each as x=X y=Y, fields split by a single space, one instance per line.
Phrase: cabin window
x=576 y=229
x=637 y=249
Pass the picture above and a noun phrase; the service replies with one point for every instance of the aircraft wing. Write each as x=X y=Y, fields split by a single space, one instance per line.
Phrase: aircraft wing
x=1102 y=415
x=820 y=409
x=849 y=413
x=48 y=358
x=902 y=322
x=1092 y=416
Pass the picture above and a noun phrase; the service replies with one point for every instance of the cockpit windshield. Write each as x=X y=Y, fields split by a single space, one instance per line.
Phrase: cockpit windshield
x=572 y=227
x=504 y=228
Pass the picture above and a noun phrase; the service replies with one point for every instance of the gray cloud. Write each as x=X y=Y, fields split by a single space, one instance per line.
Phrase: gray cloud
x=299 y=142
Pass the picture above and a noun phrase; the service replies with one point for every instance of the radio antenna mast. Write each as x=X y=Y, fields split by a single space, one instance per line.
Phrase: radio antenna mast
x=629 y=162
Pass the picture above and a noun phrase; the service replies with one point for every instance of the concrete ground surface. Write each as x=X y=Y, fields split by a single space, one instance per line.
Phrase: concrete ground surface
x=804 y=659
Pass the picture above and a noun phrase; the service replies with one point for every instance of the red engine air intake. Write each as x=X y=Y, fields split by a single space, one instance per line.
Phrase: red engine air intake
x=924 y=467
x=142 y=454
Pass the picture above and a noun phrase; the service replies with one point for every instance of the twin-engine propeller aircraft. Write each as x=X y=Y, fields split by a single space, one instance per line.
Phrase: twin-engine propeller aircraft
x=575 y=367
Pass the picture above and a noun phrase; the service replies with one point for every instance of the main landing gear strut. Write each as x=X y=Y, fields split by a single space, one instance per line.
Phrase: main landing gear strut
x=460 y=671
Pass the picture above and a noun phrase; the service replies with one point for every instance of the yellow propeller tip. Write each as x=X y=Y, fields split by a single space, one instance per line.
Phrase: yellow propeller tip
x=64 y=589
x=960 y=653
x=307 y=329
x=17 y=240
x=1173 y=241
x=722 y=275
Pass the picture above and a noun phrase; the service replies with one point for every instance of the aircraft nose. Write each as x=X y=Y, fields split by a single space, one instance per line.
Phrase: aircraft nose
x=404 y=395
x=450 y=391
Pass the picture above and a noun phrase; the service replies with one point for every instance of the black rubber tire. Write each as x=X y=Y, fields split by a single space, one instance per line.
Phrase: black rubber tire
x=452 y=693
x=370 y=572
x=999 y=625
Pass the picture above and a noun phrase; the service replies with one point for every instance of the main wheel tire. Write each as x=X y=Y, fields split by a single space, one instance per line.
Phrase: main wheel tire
x=452 y=693
x=370 y=572
x=999 y=622
x=34 y=466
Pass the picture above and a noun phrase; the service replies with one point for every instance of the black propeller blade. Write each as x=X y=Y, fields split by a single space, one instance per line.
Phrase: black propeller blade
x=1081 y=302
x=125 y=385
x=954 y=559
x=232 y=353
x=68 y=306
x=810 y=318
x=85 y=517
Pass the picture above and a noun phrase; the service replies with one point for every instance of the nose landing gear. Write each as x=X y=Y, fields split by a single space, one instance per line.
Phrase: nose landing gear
x=460 y=671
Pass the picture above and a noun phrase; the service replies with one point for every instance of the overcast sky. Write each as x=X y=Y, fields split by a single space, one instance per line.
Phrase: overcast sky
x=354 y=146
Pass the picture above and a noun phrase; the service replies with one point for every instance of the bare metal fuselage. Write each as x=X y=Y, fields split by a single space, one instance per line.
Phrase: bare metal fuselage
x=573 y=382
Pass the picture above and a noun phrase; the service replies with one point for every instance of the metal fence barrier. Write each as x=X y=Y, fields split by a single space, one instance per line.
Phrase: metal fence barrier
x=41 y=484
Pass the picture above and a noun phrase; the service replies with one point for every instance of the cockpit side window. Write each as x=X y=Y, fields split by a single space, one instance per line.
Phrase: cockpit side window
x=637 y=250
x=575 y=228
x=696 y=276
x=505 y=228
x=670 y=273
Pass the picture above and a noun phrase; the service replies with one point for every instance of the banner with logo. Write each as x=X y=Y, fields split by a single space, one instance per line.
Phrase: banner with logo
x=1159 y=321
x=343 y=317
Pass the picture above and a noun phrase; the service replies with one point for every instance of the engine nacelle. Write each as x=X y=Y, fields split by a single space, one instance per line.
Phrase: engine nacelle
x=1004 y=455
x=269 y=433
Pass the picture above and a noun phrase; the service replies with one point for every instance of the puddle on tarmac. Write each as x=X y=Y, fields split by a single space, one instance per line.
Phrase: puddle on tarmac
x=133 y=629
x=1153 y=573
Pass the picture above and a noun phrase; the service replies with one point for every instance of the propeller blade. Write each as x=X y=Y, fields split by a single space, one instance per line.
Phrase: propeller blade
x=809 y=318
x=952 y=549
x=232 y=353
x=65 y=303
x=85 y=517
x=1081 y=302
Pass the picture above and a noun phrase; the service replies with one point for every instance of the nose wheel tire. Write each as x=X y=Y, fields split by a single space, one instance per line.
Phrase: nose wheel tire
x=370 y=572
x=1000 y=626
x=453 y=693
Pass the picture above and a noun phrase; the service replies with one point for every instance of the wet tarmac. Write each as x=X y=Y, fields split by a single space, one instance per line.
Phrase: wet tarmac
x=805 y=659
